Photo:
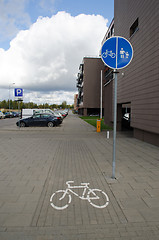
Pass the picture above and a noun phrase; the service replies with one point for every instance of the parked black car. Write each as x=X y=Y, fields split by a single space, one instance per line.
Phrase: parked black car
x=64 y=113
x=15 y=114
x=9 y=115
x=39 y=120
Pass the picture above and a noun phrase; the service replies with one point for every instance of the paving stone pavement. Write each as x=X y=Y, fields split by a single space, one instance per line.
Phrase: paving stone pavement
x=37 y=162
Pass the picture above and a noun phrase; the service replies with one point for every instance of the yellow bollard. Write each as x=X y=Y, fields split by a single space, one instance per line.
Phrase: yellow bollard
x=98 y=125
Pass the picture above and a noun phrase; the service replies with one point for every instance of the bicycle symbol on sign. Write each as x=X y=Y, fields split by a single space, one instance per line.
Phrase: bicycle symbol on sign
x=61 y=199
x=108 y=53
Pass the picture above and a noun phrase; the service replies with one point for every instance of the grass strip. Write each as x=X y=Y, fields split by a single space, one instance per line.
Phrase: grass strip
x=93 y=121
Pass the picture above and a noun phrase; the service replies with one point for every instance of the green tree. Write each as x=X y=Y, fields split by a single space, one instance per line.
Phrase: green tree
x=15 y=105
x=46 y=105
x=53 y=106
x=64 y=104
x=4 y=104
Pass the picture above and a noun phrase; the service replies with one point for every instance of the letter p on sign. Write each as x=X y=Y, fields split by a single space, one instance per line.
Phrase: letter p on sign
x=18 y=92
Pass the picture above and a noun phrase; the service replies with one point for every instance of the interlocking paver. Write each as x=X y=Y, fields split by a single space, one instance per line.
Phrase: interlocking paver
x=36 y=162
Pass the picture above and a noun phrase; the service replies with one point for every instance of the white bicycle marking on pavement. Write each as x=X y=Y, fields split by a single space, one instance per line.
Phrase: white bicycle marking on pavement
x=61 y=199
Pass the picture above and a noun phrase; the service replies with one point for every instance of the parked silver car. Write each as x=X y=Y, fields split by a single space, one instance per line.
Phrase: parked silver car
x=2 y=116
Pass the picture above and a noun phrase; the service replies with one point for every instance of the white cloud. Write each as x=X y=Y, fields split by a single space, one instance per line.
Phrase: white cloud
x=46 y=57
x=55 y=97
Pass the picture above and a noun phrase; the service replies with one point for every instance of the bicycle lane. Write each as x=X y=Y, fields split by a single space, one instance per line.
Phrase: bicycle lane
x=85 y=156
x=73 y=161
x=75 y=152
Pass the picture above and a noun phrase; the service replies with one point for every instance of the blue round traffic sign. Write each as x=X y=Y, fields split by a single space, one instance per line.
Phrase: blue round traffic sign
x=117 y=52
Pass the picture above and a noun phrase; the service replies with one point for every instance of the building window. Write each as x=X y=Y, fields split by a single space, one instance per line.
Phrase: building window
x=134 y=28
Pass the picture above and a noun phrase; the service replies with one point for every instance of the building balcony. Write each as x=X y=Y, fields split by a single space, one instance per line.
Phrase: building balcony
x=81 y=67
x=79 y=85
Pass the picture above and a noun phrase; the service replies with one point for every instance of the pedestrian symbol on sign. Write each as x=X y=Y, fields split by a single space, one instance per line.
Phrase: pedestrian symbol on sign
x=123 y=54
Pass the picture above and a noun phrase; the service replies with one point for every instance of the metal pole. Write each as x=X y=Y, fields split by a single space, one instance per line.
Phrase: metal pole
x=9 y=96
x=19 y=112
x=101 y=98
x=115 y=121
x=9 y=99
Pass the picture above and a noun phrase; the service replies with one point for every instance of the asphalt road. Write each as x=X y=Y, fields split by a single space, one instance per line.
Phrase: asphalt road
x=8 y=122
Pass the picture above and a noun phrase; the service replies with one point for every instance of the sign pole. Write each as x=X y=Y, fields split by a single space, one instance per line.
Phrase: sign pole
x=116 y=53
x=115 y=123
x=101 y=98
x=18 y=96
x=19 y=112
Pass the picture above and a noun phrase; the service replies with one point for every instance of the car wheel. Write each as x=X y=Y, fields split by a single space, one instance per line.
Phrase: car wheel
x=22 y=124
x=50 y=124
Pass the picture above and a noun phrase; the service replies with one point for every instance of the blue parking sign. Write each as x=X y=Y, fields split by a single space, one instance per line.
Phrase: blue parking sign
x=18 y=92
x=117 y=52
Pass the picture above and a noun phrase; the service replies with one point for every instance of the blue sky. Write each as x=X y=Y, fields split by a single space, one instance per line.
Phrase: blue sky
x=42 y=43
x=74 y=7
x=30 y=10
x=102 y=7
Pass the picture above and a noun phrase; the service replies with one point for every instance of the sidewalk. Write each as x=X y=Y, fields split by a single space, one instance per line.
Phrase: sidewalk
x=35 y=163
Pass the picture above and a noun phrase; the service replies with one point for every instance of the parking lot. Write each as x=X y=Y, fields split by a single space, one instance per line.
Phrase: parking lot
x=8 y=123
x=36 y=163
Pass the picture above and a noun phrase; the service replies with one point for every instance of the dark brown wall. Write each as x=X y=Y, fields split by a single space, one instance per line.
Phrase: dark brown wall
x=108 y=103
x=92 y=80
x=140 y=83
